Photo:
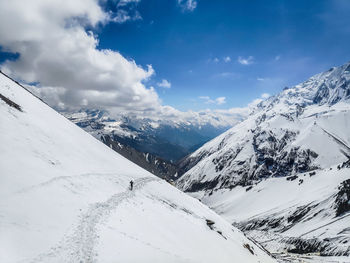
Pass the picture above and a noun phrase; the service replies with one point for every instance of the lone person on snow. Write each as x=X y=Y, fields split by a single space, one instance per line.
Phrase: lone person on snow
x=131 y=185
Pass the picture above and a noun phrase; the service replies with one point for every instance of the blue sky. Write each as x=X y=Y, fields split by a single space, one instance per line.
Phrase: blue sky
x=204 y=54
x=288 y=40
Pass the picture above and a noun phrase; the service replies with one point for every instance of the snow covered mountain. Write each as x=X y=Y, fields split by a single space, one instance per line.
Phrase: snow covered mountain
x=301 y=132
x=167 y=139
x=301 y=129
x=150 y=162
x=155 y=145
x=64 y=197
x=307 y=214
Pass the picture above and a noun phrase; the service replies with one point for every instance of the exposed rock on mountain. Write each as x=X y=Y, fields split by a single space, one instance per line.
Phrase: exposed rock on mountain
x=282 y=175
x=299 y=130
x=155 y=165
x=168 y=140
x=156 y=146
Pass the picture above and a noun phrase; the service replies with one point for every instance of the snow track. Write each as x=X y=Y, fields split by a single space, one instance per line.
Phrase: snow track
x=339 y=141
x=332 y=222
x=79 y=246
x=64 y=198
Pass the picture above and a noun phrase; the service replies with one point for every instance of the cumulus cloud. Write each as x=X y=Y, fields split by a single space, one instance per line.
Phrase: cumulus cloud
x=217 y=101
x=245 y=61
x=56 y=51
x=187 y=5
x=164 y=84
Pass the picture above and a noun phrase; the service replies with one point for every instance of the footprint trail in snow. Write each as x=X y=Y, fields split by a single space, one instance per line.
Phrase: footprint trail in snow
x=80 y=246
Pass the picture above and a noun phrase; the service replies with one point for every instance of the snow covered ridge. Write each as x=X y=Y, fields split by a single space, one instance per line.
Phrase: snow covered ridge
x=282 y=175
x=171 y=140
x=329 y=88
x=301 y=129
x=64 y=197
x=154 y=164
x=305 y=214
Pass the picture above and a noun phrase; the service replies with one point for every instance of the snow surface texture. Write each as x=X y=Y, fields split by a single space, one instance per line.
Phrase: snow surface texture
x=276 y=174
x=277 y=210
x=64 y=197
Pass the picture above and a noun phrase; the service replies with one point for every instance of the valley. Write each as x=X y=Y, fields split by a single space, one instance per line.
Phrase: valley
x=294 y=146
x=268 y=176
x=282 y=175
x=182 y=131
x=65 y=197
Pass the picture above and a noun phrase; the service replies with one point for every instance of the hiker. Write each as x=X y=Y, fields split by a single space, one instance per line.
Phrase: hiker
x=131 y=185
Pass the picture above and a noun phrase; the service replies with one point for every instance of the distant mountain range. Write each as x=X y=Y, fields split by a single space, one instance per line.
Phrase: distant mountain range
x=155 y=145
x=168 y=140
x=285 y=169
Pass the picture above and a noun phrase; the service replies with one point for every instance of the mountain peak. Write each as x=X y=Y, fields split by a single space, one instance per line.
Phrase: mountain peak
x=282 y=174
x=281 y=132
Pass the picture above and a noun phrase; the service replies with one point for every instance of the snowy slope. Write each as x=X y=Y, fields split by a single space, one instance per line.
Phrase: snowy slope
x=64 y=198
x=276 y=174
x=303 y=215
x=301 y=129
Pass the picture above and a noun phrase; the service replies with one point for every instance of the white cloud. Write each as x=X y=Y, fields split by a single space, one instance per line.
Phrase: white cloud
x=217 y=101
x=187 y=5
x=126 y=2
x=246 y=61
x=215 y=117
x=220 y=100
x=123 y=16
x=227 y=59
x=56 y=51
x=126 y=11
x=164 y=84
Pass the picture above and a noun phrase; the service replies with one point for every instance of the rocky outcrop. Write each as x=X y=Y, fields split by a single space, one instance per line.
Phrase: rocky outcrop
x=342 y=200
x=278 y=138
x=156 y=165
